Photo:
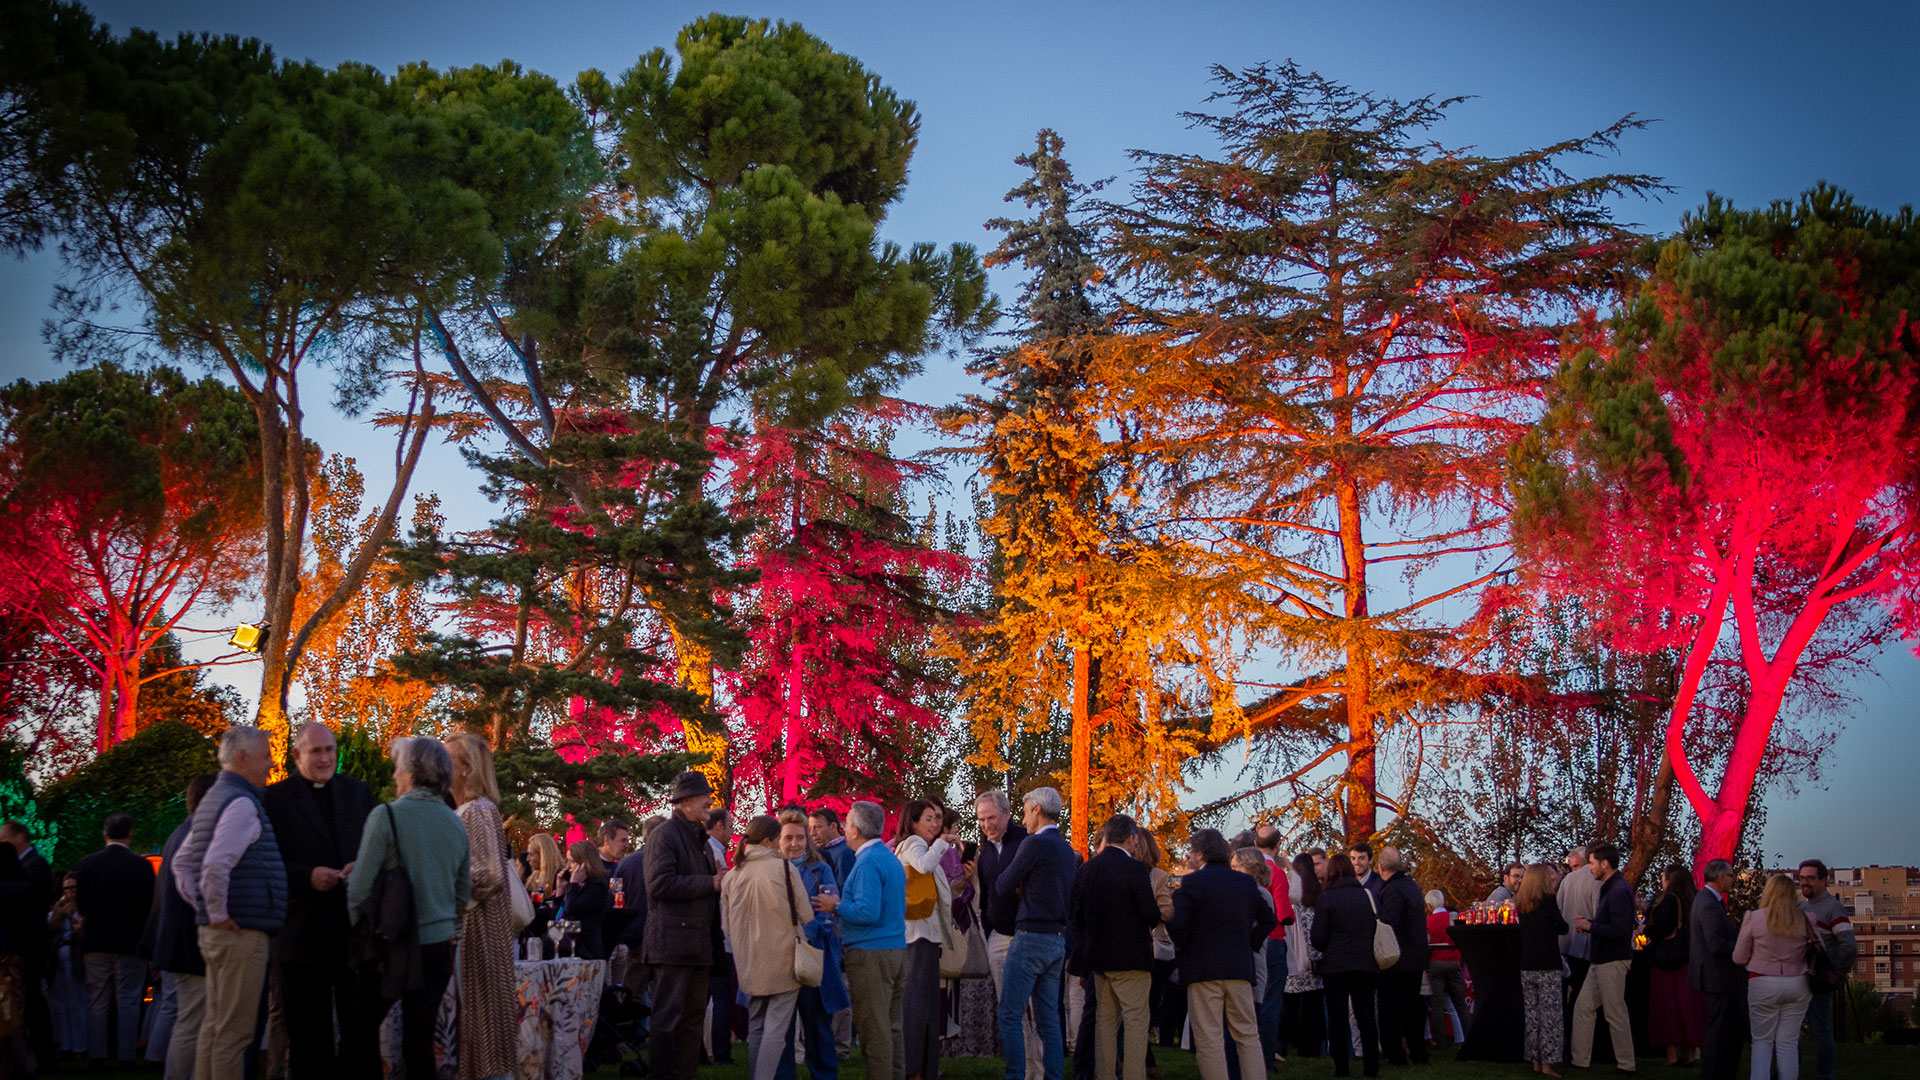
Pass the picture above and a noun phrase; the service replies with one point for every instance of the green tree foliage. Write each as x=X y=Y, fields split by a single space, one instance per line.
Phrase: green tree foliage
x=127 y=499
x=721 y=262
x=541 y=789
x=145 y=776
x=267 y=216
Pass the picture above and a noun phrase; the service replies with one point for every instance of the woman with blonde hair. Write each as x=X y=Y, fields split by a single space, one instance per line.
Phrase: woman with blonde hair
x=543 y=858
x=1541 y=925
x=1772 y=946
x=489 y=993
x=760 y=902
x=816 y=1004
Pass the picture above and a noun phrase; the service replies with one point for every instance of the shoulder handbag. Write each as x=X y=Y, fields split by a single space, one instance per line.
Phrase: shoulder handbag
x=922 y=894
x=953 y=946
x=1821 y=976
x=522 y=908
x=809 y=961
x=1386 y=946
x=977 y=965
x=386 y=942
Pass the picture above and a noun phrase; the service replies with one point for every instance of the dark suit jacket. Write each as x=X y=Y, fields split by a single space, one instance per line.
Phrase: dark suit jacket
x=999 y=913
x=1219 y=919
x=316 y=931
x=41 y=893
x=115 y=891
x=1114 y=913
x=683 y=906
x=176 y=939
x=1404 y=908
x=1710 y=939
x=1343 y=923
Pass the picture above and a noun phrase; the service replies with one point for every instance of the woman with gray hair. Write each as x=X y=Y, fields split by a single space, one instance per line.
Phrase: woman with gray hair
x=418 y=832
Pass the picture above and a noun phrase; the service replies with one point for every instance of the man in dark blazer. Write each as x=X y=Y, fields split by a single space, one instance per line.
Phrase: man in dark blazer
x=682 y=938
x=1000 y=838
x=317 y=816
x=1402 y=1016
x=1711 y=970
x=40 y=898
x=1219 y=922
x=1112 y=913
x=114 y=893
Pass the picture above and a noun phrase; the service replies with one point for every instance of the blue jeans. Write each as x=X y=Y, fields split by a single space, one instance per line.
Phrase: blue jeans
x=1267 y=1009
x=1035 y=964
x=816 y=1024
x=1820 y=1021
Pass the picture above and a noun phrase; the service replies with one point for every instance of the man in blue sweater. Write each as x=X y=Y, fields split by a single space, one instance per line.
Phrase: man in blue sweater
x=872 y=907
x=1611 y=931
x=1041 y=874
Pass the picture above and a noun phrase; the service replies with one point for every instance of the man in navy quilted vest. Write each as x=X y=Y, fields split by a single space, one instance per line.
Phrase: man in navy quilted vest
x=229 y=869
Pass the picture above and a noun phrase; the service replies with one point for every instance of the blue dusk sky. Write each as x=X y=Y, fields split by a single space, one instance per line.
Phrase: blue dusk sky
x=1754 y=100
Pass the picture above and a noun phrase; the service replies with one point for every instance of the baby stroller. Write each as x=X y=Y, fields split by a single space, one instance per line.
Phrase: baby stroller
x=620 y=1032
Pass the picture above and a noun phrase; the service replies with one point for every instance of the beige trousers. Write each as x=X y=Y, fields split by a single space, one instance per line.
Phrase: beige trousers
x=1605 y=990
x=236 y=970
x=1208 y=1005
x=1120 y=1004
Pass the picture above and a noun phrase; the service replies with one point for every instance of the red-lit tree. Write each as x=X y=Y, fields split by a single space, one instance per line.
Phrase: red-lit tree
x=126 y=501
x=1744 y=450
x=833 y=686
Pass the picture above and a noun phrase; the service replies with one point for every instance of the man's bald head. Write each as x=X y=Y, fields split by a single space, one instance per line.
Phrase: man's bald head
x=315 y=754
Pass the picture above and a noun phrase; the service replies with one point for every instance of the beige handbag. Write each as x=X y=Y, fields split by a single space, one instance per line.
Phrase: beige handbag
x=809 y=962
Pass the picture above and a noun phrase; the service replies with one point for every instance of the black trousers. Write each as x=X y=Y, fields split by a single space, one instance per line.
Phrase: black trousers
x=312 y=995
x=721 y=986
x=1403 y=1016
x=1726 y=1036
x=1576 y=978
x=1171 y=1014
x=673 y=1032
x=419 y=1009
x=1355 y=988
x=1306 y=1020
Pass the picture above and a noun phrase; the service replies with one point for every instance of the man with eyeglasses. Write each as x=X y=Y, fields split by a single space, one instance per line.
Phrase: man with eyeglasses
x=1829 y=915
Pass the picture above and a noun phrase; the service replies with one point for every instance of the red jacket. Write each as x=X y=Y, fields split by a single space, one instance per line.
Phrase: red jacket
x=1439 y=938
x=1282 y=902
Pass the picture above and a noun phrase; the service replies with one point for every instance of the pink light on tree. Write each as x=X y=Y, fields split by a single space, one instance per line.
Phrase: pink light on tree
x=1744 y=450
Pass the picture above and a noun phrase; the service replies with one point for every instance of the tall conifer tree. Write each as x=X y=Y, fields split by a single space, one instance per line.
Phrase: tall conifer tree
x=1335 y=330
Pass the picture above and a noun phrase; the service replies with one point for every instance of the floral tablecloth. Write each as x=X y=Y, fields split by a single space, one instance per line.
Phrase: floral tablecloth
x=559 y=1004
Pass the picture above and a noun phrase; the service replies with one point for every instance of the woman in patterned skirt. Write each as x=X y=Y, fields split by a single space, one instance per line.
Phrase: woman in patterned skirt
x=489 y=992
x=1540 y=930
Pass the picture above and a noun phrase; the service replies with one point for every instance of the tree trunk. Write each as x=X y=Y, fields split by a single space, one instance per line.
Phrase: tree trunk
x=1080 y=779
x=696 y=674
x=1650 y=827
x=796 y=731
x=1361 y=783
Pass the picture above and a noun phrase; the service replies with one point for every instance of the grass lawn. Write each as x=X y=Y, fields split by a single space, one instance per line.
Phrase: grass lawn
x=1856 y=1063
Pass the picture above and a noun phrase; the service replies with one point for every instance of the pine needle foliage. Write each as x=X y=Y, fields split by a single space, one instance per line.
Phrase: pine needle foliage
x=1333 y=329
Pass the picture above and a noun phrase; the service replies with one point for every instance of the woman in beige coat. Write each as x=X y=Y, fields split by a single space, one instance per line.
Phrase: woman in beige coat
x=761 y=899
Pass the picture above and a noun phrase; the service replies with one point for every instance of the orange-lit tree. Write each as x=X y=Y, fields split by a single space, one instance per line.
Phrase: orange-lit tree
x=1088 y=624
x=126 y=502
x=1735 y=470
x=346 y=676
x=1335 y=329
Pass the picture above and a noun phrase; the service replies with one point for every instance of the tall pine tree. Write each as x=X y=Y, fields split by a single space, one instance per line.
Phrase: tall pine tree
x=1335 y=328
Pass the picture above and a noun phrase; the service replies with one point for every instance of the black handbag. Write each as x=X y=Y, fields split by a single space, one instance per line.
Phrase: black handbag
x=386 y=941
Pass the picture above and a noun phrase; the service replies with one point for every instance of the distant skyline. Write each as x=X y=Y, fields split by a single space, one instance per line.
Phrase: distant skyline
x=1755 y=101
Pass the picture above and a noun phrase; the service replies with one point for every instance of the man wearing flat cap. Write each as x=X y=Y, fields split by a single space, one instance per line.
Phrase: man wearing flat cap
x=683 y=928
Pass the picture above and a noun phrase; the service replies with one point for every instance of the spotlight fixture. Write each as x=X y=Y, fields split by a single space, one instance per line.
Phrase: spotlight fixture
x=247 y=637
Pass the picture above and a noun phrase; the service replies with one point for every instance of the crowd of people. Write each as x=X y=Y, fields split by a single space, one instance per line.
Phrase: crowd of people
x=288 y=920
